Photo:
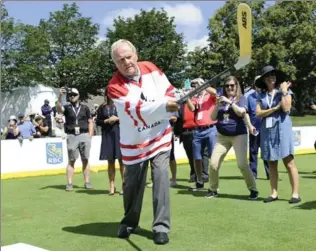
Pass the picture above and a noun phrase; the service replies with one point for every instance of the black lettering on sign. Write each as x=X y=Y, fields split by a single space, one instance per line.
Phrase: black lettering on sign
x=244 y=19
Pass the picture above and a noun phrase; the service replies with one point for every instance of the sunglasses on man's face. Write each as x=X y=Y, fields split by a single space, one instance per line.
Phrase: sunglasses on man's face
x=73 y=95
x=232 y=86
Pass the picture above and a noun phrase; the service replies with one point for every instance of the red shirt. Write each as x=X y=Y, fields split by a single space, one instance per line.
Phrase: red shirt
x=205 y=104
x=188 y=118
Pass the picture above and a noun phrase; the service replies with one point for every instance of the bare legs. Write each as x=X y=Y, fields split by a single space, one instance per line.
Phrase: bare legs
x=111 y=173
x=290 y=166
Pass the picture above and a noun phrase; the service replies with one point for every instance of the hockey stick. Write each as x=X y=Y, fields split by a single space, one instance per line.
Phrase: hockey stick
x=244 y=22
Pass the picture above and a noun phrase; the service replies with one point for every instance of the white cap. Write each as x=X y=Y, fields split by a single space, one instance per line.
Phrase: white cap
x=199 y=81
x=74 y=90
x=12 y=117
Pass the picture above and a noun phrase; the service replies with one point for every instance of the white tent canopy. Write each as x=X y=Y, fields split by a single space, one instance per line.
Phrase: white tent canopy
x=26 y=100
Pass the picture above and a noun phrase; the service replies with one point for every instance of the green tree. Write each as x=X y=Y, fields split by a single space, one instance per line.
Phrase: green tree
x=223 y=49
x=154 y=35
x=12 y=35
x=287 y=39
x=61 y=51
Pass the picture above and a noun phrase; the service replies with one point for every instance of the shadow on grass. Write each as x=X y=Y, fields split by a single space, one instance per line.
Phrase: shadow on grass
x=231 y=178
x=309 y=177
x=106 y=229
x=299 y=172
x=221 y=195
x=59 y=187
x=180 y=187
x=309 y=205
x=94 y=192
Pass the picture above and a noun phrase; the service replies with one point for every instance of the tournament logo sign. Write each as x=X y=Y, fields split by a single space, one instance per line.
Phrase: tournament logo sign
x=297 y=138
x=54 y=153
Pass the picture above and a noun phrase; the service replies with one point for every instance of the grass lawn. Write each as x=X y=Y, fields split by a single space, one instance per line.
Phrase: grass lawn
x=307 y=120
x=39 y=212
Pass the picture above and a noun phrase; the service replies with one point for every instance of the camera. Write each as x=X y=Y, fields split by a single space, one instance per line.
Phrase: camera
x=68 y=91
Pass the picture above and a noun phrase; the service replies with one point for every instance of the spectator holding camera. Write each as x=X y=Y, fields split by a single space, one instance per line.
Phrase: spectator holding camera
x=12 y=130
x=79 y=130
x=41 y=128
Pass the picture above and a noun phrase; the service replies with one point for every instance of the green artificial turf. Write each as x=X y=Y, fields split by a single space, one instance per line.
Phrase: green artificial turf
x=39 y=212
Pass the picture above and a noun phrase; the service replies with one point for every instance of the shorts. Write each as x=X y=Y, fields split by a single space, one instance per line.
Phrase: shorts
x=203 y=138
x=78 y=144
x=172 y=157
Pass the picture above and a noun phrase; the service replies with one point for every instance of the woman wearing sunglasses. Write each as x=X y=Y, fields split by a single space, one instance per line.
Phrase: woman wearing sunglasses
x=274 y=105
x=232 y=132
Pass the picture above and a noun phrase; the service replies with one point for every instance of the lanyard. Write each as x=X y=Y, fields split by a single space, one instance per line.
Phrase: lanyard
x=200 y=100
x=227 y=105
x=272 y=97
x=76 y=112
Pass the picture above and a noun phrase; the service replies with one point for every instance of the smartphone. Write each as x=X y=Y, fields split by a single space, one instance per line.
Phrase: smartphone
x=255 y=133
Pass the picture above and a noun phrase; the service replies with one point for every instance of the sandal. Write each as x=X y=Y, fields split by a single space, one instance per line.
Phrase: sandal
x=270 y=199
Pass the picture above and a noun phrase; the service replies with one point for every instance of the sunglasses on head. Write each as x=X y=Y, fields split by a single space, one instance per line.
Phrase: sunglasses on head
x=231 y=85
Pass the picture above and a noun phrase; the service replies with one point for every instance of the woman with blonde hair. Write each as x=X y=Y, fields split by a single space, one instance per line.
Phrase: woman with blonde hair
x=232 y=132
x=273 y=106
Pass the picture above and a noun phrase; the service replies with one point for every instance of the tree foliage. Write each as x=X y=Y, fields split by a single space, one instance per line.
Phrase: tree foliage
x=154 y=35
x=61 y=51
x=12 y=35
x=284 y=36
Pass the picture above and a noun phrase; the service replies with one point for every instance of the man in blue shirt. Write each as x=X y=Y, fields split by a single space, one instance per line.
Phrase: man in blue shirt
x=26 y=128
x=254 y=141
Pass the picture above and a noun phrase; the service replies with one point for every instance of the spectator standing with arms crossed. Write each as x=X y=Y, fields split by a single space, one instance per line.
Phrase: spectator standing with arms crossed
x=274 y=105
x=79 y=130
x=46 y=112
x=144 y=100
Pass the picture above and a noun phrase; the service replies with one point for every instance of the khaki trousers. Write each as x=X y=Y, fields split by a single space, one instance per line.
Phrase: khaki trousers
x=223 y=145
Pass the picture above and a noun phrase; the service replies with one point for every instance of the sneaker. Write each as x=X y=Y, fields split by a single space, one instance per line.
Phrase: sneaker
x=253 y=195
x=198 y=186
x=88 y=185
x=211 y=194
x=69 y=187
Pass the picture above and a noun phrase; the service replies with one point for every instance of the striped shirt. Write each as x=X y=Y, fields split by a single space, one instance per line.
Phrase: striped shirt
x=145 y=130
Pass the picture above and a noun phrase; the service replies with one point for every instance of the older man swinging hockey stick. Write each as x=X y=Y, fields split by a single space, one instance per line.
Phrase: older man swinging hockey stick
x=244 y=22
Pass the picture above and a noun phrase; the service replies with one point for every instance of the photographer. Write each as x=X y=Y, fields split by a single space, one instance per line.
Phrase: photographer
x=12 y=131
x=41 y=128
x=79 y=129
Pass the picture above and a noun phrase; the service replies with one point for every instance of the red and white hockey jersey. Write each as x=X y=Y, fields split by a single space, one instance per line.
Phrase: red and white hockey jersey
x=141 y=106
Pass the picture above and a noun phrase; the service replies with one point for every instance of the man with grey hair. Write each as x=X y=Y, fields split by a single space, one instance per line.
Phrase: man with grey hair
x=145 y=102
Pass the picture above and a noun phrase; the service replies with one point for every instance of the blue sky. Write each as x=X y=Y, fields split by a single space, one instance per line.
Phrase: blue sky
x=191 y=17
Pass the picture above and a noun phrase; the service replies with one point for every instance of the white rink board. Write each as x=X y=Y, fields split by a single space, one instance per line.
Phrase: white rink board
x=49 y=155
x=21 y=247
